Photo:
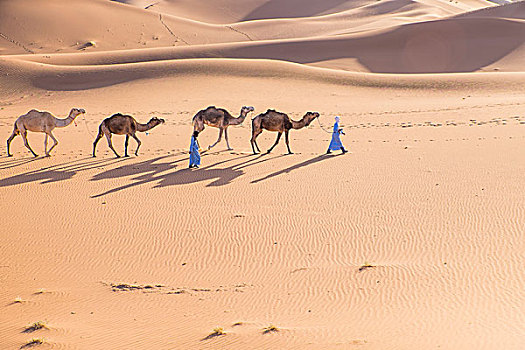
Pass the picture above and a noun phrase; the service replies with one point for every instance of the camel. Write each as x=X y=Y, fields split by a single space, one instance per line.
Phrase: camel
x=37 y=121
x=121 y=124
x=219 y=118
x=272 y=120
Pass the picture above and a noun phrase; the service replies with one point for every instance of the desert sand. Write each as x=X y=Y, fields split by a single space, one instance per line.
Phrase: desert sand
x=413 y=240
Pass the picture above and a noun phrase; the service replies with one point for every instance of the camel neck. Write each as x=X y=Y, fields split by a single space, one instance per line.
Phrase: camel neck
x=143 y=127
x=238 y=120
x=298 y=124
x=60 y=123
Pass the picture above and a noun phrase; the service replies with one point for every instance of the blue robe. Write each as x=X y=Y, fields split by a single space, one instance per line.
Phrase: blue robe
x=335 y=144
x=195 y=157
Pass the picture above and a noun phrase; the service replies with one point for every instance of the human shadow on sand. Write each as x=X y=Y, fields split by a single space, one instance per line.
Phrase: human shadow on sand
x=159 y=172
x=297 y=166
x=57 y=172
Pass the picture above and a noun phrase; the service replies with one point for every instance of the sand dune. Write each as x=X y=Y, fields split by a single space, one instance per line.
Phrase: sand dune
x=414 y=48
x=413 y=240
x=28 y=76
x=440 y=46
x=447 y=45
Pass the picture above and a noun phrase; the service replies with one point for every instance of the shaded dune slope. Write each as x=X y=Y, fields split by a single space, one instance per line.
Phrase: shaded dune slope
x=24 y=76
x=230 y=11
x=514 y=10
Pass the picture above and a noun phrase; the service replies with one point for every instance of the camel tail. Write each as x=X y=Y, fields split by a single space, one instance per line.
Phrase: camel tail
x=255 y=121
x=100 y=132
x=16 y=131
x=98 y=137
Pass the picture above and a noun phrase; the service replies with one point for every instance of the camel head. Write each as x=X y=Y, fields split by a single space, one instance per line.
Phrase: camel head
x=155 y=121
x=75 y=112
x=198 y=125
x=246 y=109
x=309 y=117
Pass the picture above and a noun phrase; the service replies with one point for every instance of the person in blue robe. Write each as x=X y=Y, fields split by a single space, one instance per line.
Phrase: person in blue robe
x=335 y=143
x=195 y=156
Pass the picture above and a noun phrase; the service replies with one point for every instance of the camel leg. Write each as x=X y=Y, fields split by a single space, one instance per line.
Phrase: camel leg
x=54 y=145
x=138 y=144
x=108 y=136
x=226 y=138
x=45 y=144
x=99 y=136
x=287 y=143
x=276 y=142
x=254 y=142
x=23 y=133
x=126 y=146
x=218 y=140
x=13 y=135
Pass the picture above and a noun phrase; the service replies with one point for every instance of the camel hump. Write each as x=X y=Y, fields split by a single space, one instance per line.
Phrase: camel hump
x=273 y=111
x=114 y=117
x=211 y=107
x=32 y=114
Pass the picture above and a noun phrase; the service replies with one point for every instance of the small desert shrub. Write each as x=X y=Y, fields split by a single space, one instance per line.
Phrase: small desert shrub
x=218 y=331
x=271 y=328
x=33 y=342
x=36 y=326
x=365 y=266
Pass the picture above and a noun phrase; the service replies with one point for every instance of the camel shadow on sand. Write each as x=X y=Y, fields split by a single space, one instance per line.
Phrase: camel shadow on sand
x=10 y=162
x=159 y=172
x=156 y=170
x=153 y=170
x=54 y=173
